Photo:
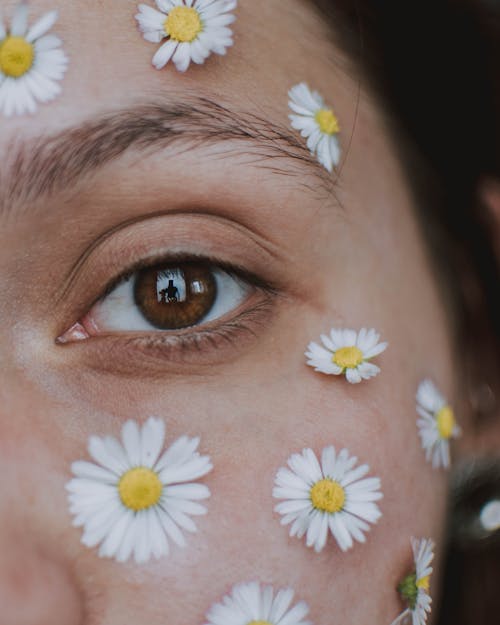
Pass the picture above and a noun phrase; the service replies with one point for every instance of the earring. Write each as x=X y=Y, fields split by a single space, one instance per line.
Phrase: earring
x=475 y=503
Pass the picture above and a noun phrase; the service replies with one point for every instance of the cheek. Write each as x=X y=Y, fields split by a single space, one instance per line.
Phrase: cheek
x=250 y=431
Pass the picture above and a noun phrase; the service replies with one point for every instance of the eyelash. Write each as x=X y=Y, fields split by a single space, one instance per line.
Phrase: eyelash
x=239 y=272
x=211 y=335
x=167 y=343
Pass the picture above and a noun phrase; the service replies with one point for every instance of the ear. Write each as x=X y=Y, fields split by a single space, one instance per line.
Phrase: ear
x=484 y=380
x=490 y=194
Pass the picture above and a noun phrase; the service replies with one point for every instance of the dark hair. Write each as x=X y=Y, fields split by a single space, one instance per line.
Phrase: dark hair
x=435 y=67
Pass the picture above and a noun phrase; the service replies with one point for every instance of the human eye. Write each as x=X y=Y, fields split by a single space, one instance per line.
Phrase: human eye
x=168 y=297
x=176 y=306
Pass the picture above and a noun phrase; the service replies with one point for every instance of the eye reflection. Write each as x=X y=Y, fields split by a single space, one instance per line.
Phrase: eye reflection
x=171 y=298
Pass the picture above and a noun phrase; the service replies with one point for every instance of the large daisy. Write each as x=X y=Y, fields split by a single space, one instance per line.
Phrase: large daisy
x=437 y=424
x=347 y=352
x=317 y=123
x=414 y=588
x=251 y=604
x=327 y=496
x=136 y=498
x=192 y=29
x=32 y=63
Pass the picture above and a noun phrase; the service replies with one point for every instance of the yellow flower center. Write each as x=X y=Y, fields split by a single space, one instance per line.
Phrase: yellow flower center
x=327 y=121
x=16 y=56
x=328 y=496
x=424 y=583
x=140 y=488
x=183 y=24
x=348 y=357
x=260 y=623
x=445 y=422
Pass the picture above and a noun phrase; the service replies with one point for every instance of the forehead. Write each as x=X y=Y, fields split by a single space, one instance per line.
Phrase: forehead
x=110 y=62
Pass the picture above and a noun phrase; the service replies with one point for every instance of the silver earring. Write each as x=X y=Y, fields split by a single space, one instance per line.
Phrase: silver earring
x=475 y=503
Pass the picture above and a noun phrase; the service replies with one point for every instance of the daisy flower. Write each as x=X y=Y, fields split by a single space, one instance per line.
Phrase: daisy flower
x=414 y=588
x=136 y=498
x=347 y=351
x=249 y=604
x=436 y=425
x=32 y=63
x=327 y=496
x=193 y=29
x=317 y=123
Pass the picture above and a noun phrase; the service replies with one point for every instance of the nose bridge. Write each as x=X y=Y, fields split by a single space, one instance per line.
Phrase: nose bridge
x=37 y=584
x=35 y=587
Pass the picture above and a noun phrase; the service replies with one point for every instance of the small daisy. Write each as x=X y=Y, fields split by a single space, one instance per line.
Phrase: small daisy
x=317 y=123
x=193 y=29
x=136 y=498
x=437 y=424
x=32 y=63
x=331 y=496
x=414 y=588
x=249 y=604
x=347 y=351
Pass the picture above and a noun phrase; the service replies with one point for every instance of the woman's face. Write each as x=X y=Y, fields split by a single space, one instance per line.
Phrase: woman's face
x=132 y=166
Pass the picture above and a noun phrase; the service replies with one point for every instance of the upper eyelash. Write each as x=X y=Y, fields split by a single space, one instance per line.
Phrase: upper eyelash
x=239 y=272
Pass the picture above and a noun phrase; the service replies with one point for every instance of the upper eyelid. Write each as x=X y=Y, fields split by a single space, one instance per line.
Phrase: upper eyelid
x=180 y=259
x=196 y=221
x=148 y=240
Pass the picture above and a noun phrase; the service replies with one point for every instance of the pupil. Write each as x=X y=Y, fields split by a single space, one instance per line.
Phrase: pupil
x=172 y=297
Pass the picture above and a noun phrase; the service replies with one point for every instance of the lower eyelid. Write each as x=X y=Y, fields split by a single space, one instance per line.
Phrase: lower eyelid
x=146 y=355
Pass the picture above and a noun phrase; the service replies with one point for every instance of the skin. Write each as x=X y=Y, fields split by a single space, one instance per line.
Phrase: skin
x=350 y=255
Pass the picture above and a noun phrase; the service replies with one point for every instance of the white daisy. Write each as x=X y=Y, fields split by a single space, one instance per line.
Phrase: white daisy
x=193 y=29
x=136 y=498
x=436 y=425
x=347 y=351
x=249 y=604
x=331 y=496
x=317 y=123
x=32 y=63
x=414 y=588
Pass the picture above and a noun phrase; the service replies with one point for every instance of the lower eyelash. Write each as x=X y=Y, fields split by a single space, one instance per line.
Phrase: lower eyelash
x=154 y=355
x=229 y=332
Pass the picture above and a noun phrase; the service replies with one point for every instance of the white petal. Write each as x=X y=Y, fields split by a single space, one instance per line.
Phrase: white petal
x=112 y=542
x=375 y=351
x=132 y=442
x=152 y=438
x=171 y=528
x=179 y=452
x=48 y=42
x=20 y=20
x=188 y=491
x=368 y=370
x=42 y=26
x=353 y=376
x=99 y=452
x=182 y=57
x=84 y=469
x=340 y=532
x=164 y=54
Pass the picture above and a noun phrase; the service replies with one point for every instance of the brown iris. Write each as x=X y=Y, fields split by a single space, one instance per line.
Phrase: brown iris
x=172 y=297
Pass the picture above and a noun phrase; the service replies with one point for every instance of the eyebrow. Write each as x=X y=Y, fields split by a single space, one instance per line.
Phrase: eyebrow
x=40 y=168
